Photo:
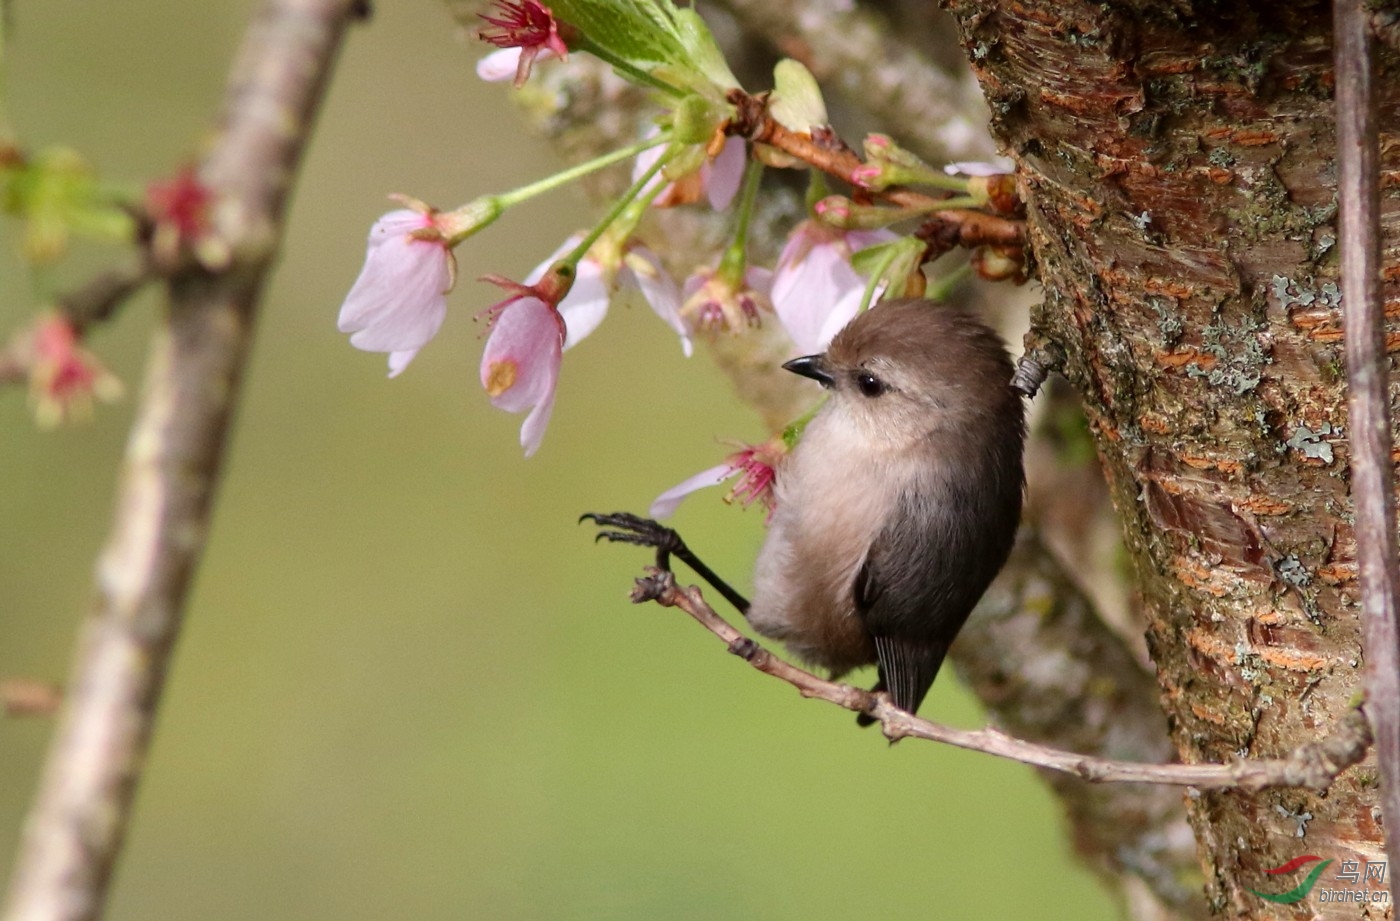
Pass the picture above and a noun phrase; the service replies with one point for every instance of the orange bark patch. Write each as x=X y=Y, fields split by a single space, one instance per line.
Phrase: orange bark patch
x=1167 y=286
x=1223 y=464
x=1210 y=645
x=1204 y=579
x=1080 y=105
x=1210 y=716
x=1291 y=659
x=1265 y=505
x=1245 y=137
x=1186 y=356
x=1155 y=423
x=1337 y=573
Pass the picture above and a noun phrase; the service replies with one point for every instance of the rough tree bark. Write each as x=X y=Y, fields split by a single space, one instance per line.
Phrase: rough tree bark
x=1178 y=167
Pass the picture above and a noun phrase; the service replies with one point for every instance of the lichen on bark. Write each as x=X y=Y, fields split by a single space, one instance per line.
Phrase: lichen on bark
x=1178 y=169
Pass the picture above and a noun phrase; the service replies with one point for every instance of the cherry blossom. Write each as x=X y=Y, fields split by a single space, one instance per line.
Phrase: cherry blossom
x=606 y=272
x=525 y=31
x=815 y=290
x=64 y=377
x=718 y=177
x=520 y=366
x=400 y=298
x=754 y=465
x=715 y=304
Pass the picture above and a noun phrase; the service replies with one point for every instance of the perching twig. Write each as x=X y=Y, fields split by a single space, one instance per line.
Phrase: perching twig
x=1368 y=414
x=80 y=814
x=1314 y=765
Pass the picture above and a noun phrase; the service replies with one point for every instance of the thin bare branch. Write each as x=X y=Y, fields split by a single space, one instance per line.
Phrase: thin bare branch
x=1314 y=765
x=80 y=815
x=1368 y=403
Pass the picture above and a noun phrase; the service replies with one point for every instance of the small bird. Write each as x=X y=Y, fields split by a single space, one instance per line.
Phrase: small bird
x=898 y=506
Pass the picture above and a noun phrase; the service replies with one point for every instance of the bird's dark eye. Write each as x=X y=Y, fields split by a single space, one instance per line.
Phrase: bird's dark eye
x=870 y=385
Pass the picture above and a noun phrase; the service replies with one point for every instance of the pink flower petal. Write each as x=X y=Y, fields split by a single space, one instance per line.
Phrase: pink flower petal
x=722 y=175
x=643 y=270
x=815 y=290
x=586 y=304
x=667 y=503
x=398 y=302
x=647 y=159
x=520 y=366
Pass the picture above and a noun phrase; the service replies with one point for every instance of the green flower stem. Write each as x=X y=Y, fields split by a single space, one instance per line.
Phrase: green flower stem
x=876 y=277
x=957 y=201
x=735 y=259
x=793 y=433
x=619 y=207
x=817 y=189
x=632 y=215
x=550 y=183
x=940 y=288
x=630 y=71
x=925 y=177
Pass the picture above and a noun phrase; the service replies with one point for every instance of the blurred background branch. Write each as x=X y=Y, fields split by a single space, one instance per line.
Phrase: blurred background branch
x=79 y=818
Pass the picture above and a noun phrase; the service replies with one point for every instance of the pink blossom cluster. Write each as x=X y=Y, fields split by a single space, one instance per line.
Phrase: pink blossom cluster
x=398 y=303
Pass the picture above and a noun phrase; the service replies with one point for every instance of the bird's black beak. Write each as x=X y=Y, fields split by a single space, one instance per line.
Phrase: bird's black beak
x=813 y=366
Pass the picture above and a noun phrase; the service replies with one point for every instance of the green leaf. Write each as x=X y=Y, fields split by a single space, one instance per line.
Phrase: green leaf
x=796 y=101
x=640 y=32
x=57 y=194
x=703 y=51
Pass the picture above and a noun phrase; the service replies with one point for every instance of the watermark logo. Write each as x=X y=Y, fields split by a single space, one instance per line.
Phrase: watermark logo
x=1350 y=872
x=1300 y=891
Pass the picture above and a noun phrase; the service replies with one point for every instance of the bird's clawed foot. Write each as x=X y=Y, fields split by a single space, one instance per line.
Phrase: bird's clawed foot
x=626 y=528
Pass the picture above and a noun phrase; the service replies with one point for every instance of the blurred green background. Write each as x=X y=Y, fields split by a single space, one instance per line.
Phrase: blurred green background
x=410 y=686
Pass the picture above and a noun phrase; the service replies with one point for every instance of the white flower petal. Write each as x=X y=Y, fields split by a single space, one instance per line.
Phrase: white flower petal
x=994 y=167
x=643 y=270
x=586 y=304
x=538 y=271
x=499 y=66
x=399 y=360
x=667 y=503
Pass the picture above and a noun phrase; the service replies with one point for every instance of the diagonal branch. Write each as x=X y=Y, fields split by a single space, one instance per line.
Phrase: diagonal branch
x=1314 y=765
x=80 y=815
x=1368 y=401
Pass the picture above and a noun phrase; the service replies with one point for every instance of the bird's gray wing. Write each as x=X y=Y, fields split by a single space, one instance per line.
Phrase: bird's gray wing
x=924 y=573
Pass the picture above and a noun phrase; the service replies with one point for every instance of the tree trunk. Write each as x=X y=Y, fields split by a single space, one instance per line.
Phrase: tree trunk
x=1177 y=163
